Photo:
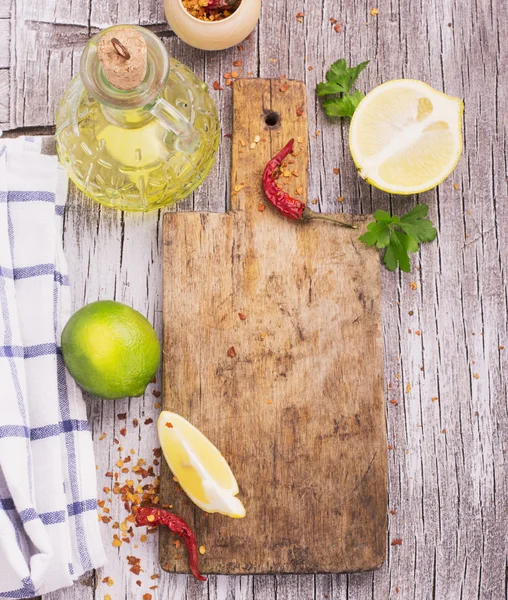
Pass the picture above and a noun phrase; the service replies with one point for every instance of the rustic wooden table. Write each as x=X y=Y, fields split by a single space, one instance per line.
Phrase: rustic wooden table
x=446 y=368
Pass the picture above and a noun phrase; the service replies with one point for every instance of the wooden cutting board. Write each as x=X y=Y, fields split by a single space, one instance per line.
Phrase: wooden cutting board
x=298 y=412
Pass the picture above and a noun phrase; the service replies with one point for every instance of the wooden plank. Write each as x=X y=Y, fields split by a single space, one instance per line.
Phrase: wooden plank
x=5 y=9
x=304 y=392
x=4 y=98
x=5 y=38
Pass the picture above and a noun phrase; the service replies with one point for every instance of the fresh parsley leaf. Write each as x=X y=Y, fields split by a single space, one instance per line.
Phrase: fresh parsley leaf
x=399 y=235
x=343 y=107
x=339 y=80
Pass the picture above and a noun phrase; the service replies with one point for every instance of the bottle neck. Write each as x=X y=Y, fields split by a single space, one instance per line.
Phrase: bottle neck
x=132 y=101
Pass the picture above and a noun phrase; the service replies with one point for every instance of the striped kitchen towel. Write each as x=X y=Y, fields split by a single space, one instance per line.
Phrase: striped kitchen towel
x=49 y=532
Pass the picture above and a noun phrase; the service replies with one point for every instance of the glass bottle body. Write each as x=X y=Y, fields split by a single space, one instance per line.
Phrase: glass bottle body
x=126 y=156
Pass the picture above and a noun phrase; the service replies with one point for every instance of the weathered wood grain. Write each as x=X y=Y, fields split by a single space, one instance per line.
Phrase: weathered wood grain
x=4 y=98
x=449 y=491
x=5 y=62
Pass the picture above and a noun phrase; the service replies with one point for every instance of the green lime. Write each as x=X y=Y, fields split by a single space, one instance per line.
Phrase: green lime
x=110 y=349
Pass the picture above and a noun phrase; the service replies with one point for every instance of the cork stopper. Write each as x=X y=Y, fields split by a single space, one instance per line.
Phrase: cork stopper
x=123 y=57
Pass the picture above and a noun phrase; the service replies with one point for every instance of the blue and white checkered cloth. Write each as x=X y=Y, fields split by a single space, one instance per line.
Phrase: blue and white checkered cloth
x=49 y=533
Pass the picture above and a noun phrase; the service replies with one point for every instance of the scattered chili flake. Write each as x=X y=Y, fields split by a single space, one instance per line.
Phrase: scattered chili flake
x=147 y=596
x=337 y=27
x=456 y=186
x=284 y=87
x=396 y=590
x=397 y=542
x=138 y=582
x=103 y=436
x=143 y=538
x=413 y=285
x=333 y=21
x=227 y=75
x=394 y=402
x=374 y=12
x=408 y=388
x=314 y=201
x=232 y=352
x=122 y=416
x=241 y=316
x=117 y=543
x=393 y=512
x=148 y=421
x=270 y=402
x=336 y=171
x=476 y=376
x=153 y=587
x=238 y=63
x=169 y=425
x=390 y=447
x=234 y=74
x=107 y=597
x=340 y=199
x=443 y=431
x=217 y=86
x=156 y=393
x=500 y=347
x=240 y=48
x=123 y=431
x=310 y=68
x=418 y=332
x=135 y=422
x=434 y=399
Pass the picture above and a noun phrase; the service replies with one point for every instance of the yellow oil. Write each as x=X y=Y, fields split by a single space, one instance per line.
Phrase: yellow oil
x=127 y=159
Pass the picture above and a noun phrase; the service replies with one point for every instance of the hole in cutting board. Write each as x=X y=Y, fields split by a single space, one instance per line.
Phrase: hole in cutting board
x=272 y=119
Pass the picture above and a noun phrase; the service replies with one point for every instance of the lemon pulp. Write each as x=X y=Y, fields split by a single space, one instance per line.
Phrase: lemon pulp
x=406 y=137
x=201 y=470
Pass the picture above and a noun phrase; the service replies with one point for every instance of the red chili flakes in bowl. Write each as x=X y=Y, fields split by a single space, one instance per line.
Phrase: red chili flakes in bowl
x=211 y=10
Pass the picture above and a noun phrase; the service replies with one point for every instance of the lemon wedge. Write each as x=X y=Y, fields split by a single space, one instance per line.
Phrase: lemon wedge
x=201 y=470
x=406 y=137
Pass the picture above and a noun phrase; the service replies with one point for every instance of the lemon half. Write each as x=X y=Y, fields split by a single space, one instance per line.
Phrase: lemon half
x=406 y=137
x=201 y=470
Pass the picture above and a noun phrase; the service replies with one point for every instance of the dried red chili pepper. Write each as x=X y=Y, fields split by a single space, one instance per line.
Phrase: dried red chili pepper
x=220 y=4
x=290 y=207
x=150 y=517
